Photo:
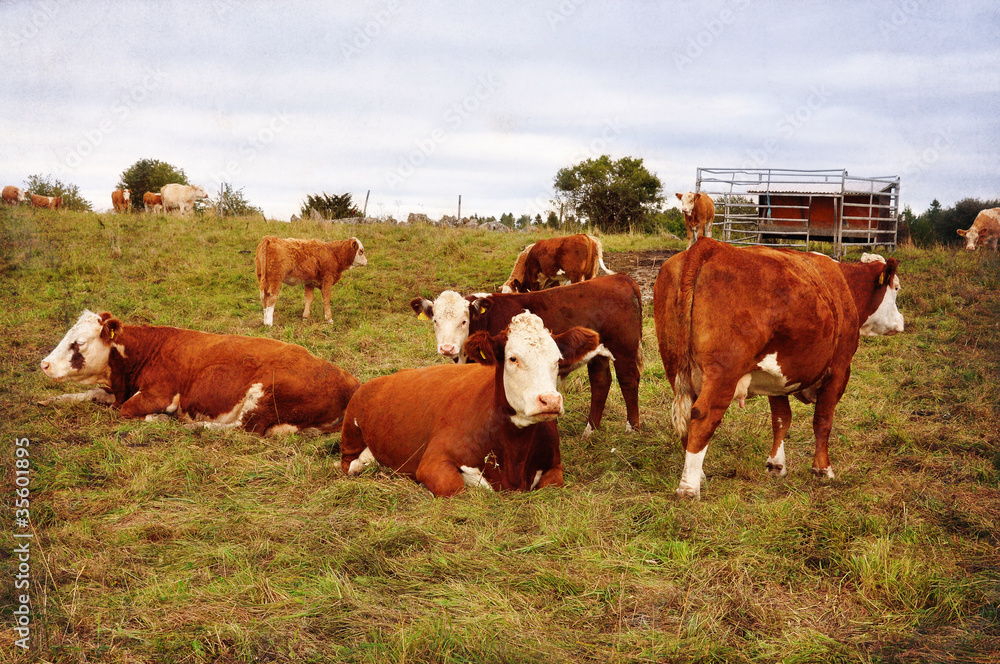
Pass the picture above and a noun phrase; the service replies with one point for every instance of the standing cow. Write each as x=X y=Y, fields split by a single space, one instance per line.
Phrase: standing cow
x=13 y=195
x=491 y=425
x=181 y=197
x=214 y=380
x=985 y=230
x=152 y=202
x=309 y=262
x=46 y=202
x=734 y=323
x=699 y=212
x=120 y=199
x=556 y=261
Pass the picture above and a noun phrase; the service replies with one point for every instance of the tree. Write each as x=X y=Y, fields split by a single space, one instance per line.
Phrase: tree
x=329 y=207
x=149 y=175
x=231 y=203
x=613 y=196
x=46 y=185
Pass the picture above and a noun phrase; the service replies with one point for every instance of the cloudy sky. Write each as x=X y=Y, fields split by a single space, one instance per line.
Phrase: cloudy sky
x=420 y=103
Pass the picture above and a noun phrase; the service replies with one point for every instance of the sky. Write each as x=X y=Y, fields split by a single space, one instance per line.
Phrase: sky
x=416 y=104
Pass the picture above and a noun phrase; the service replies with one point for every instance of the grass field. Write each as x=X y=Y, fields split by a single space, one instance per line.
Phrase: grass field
x=156 y=543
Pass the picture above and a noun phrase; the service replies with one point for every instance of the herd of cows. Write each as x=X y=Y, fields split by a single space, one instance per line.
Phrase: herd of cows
x=179 y=197
x=731 y=323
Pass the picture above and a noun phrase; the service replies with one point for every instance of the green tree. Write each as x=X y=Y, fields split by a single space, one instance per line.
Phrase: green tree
x=507 y=219
x=149 y=175
x=231 y=203
x=613 y=196
x=329 y=207
x=46 y=185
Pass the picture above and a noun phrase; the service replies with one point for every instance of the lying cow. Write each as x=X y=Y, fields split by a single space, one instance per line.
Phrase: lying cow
x=152 y=202
x=181 y=197
x=12 y=195
x=309 y=262
x=554 y=262
x=611 y=306
x=699 y=212
x=46 y=202
x=491 y=425
x=213 y=380
x=985 y=230
x=734 y=323
x=120 y=199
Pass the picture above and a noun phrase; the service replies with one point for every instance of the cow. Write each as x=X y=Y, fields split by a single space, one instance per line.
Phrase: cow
x=556 y=261
x=310 y=262
x=609 y=305
x=699 y=211
x=181 y=197
x=985 y=230
x=12 y=195
x=489 y=425
x=152 y=202
x=216 y=381
x=48 y=202
x=734 y=323
x=120 y=199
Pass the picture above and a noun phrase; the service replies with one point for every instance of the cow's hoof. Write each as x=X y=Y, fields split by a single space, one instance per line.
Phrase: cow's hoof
x=688 y=493
x=775 y=469
x=588 y=432
x=329 y=321
x=824 y=473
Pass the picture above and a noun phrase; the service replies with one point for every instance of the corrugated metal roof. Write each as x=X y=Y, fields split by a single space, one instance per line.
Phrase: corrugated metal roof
x=822 y=188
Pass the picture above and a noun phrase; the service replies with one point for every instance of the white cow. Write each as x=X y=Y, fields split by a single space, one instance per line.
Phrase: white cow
x=181 y=197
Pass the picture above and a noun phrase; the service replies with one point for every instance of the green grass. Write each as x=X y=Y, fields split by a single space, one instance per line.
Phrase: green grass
x=155 y=543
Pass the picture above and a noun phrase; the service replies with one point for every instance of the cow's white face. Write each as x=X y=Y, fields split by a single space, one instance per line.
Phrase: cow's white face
x=198 y=192
x=451 y=323
x=126 y=195
x=359 y=256
x=82 y=356
x=531 y=371
x=687 y=203
x=887 y=319
x=20 y=196
x=971 y=239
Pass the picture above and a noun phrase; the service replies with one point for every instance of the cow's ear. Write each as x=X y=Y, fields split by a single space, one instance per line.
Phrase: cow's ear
x=888 y=272
x=481 y=347
x=575 y=344
x=515 y=286
x=679 y=196
x=111 y=328
x=423 y=307
x=961 y=232
x=479 y=306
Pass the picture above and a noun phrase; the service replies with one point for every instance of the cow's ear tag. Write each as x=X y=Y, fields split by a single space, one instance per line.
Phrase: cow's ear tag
x=423 y=316
x=482 y=310
x=112 y=335
x=482 y=354
x=881 y=279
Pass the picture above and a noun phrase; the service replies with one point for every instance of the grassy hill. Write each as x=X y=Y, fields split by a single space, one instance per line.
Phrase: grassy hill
x=155 y=543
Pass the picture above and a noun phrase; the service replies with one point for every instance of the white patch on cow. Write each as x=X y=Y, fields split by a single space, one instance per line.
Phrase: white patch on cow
x=174 y=404
x=600 y=350
x=872 y=258
x=971 y=239
x=887 y=319
x=767 y=380
x=84 y=338
x=365 y=459
x=690 y=484
x=531 y=371
x=538 y=478
x=451 y=324
x=246 y=405
x=825 y=472
x=588 y=431
x=359 y=256
x=473 y=478
x=269 y=315
x=680 y=414
x=776 y=465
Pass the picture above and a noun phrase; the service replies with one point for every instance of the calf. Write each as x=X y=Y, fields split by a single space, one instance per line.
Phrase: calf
x=309 y=262
x=12 y=195
x=985 y=230
x=734 y=323
x=213 y=380
x=556 y=261
x=48 y=202
x=611 y=306
x=459 y=425
x=120 y=199
x=152 y=202
x=699 y=211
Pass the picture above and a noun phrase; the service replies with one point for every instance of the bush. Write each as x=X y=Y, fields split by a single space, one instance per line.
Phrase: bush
x=231 y=203
x=330 y=207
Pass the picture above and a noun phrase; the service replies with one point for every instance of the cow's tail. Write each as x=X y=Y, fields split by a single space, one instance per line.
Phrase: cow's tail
x=600 y=258
x=260 y=264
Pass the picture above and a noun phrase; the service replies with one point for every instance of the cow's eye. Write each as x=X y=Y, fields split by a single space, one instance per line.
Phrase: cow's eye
x=464 y=323
x=512 y=360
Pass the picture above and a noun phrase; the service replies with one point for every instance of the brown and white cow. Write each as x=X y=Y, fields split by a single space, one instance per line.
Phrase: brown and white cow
x=699 y=212
x=611 y=306
x=152 y=202
x=733 y=323
x=47 y=202
x=556 y=261
x=309 y=262
x=490 y=425
x=985 y=230
x=213 y=380
x=120 y=199
x=13 y=195
x=181 y=197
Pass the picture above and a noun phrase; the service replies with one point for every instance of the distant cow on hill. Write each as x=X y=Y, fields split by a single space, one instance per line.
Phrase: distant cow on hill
x=13 y=195
x=556 y=261
x=489 y=425
x=735 y=323
x=152 y=202
x=985 y=230
x=47 y=202
x=120 y=199
x=213 y=380
x=181 y=197
x=699 y=211
x=309 y=262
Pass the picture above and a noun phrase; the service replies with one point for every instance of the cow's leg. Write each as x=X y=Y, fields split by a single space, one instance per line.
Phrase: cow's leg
x=268 y=298
x=97 y=394
x=708 y=229
x=551 y=477
x=627 y=371
x=690 y=234
x=827 y=398
x=309 y=294
x=441 y=476
x=147 y=403
x=354 y=453
x=326 y=289
x=781 y=419
x=706 y=414
x=599 y=371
